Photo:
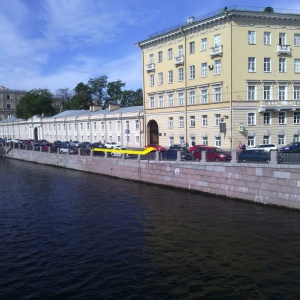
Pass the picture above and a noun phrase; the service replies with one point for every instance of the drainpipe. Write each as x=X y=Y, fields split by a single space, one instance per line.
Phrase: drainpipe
x=185 y=85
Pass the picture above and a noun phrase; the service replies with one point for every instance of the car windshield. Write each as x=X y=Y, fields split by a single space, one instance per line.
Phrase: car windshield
x=219 y=150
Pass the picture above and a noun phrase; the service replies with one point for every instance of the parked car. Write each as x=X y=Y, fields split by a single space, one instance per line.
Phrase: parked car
x=292 y=147
x=155 y=146
x=212 y=154
x=66 y=146
x=56 y=144
x=97 y=145
x=178 y=147
x=256 y=155
x=111 y=145
x=267 y=147
x=84 y=145
x=193 y=147
x=171 y=154
x=116 y=154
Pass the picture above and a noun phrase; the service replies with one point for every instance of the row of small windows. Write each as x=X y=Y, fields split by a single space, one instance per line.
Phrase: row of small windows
x=180 y=101
x=281 y=118
x=87 y=125
x=251 y=120
x=267 y=40
x=282 y=68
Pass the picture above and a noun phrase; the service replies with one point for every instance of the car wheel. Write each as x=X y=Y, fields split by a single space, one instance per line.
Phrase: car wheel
x=197 y=159
x=267 y=160
x=216 y=159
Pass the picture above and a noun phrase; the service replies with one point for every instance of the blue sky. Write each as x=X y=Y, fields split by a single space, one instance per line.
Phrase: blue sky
x=56 y=44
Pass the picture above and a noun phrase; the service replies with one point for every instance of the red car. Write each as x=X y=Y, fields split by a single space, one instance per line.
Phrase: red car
x=212 y=154
x=157 y=147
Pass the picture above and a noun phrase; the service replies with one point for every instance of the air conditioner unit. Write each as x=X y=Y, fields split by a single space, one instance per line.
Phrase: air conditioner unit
x=210 y=67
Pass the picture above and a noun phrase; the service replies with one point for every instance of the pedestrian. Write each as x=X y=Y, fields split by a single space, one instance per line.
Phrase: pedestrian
x=243 y=147
x=239 y=147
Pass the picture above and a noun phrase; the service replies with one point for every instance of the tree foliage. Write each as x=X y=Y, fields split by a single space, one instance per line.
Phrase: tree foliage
x=82 y=98
x=98 y=87
x=61 y=99
x=131 y=98
x=35 y=102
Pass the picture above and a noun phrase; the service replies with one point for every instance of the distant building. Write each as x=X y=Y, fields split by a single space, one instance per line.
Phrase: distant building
x=8 y=101
x=232 y=75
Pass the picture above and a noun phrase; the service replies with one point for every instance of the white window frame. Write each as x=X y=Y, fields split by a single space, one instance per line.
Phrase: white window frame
x=170 y=76
x=170 y=122
x=160 y=101
x=267 y=92
x=251 y=119
x=267 y=119
x=282 y=38
x=252 y=92
x=296 y=39
x=281 y=139
x=180 y=98
x=192 y=97
x=170 y=53
x=251 y=37
x=267 y=38
x=160 y=56
x=151 y=58
x=180 y=74
x=151 y=102
x=192 y=121
x=251 y=64
x=296 y=92
x=192 y=47
x=192 y=72
x=282 y=92
x=267 y=64
x=160 y=78
x=217 y=40
x=217 y=119
x=204 y=120
x=203 y=95
x=217 y=67
x=282 y=65
x=281 y=117
x=218 y=141
x=203 y=69
x=180 y=50
x=204 y=44
x=296 y=117
x=170 y=99
x=217 y=93
x=181 y=122
x=297 y=65
x=151 y=79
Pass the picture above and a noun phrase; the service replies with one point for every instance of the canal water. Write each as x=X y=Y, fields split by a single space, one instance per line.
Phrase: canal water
x=72 y=235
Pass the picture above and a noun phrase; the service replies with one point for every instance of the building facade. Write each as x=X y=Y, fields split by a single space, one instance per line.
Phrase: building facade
x=122 y=125
x=230 y=76
x=8 y=101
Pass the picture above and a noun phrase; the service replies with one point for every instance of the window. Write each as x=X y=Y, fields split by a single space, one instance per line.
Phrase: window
x=204 y=95
x=282 y=92
x=118 y=125
x=180 y=74
x=151 y=58
x=251 y=141
x=137 y=139
x=217 y=119
x=251 y=37
x=297 y=39
x=266 y=139
x=102 y=125
x=95 y=126
x=217 y=40
x=137 y=125
x=127 y=125
x=170 y=99
x=192 y=121
x=296 y=117
x=180 y=122
x=160 y=78
x=217 y=67
x=192 y=47
x=170 y=53
x=160 y=56
x=87 y=126
x=109 y=126
x=204 y=70
x=81 y=126
x=204 y=120
x=251 y=64
x=296 y=92
x=192 y=72
x=151 y=80
x=267 y=38
x=204 y=140
x=204 y=44
x=267 y=64
x=160 y=101
x=8 y=97
x=192 y=97
x=170 y=76
x=297 y=65
x=296 y=138
x=218 y=141
x=171 y=140
x=217 y=94
x=282 y=64
x=151 y=102
x=180 y=50
x=267 y=92
x=251 y=119
x=281 y=139
x=282 y=38
x=281 y=117
x=170 y=123
x=180 y=98
x=7 y=106
x=251 y=92
x=267 y=119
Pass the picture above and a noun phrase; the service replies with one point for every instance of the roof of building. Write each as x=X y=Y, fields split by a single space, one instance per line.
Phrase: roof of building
x=11 y=119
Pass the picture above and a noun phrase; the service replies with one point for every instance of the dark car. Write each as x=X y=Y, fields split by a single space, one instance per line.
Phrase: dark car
x=171 y=154
x=178 y=147
x=97 y=145
x=292 y=147
x=258 y=155
x=66 y=146
x=56 y=144
x=84 y=145
x=212 y=154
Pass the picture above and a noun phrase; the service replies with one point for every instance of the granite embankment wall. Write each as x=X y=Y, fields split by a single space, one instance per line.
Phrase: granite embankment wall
x=262 y=183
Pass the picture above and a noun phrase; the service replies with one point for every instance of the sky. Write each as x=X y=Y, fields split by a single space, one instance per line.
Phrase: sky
x=56 y=44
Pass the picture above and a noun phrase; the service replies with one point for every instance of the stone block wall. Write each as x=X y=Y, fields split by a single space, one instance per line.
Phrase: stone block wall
x=262 y=183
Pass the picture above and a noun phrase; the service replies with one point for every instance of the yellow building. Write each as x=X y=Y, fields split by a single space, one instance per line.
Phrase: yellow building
x=230 y=76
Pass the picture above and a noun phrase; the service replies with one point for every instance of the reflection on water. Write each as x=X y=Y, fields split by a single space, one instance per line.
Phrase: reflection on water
x=72 y=235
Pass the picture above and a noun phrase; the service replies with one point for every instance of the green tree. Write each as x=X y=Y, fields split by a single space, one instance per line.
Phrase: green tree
x=35 y=102
x=82 y=98
x=131 y=98
x=114 y=92
x=61 y=99
x=98 y=87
